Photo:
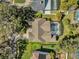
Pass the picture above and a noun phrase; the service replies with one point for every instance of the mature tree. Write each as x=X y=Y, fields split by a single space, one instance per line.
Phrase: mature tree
x=14 y=20
x=70 y=43
x=78 y=2
x=26 y=14
x=72 y=2
x=21 y=46
x=63 y=6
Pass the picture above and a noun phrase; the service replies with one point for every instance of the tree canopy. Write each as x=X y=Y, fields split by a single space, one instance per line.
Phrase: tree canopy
x=14 y=19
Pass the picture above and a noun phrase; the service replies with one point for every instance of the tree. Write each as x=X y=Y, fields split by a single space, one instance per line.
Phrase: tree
x=63 y=6
x=69 y=44
x=78 y=2
x=21 y=46
x=14 y=20
x=72 y=2
x=26 y=14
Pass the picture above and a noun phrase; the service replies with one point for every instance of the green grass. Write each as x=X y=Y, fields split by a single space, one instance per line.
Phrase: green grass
x=29 y=49
x=19 y=1
x=32 y=46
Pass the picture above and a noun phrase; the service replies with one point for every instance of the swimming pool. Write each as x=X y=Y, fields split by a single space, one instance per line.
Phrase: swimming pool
x=77 y=54
x=47 y=5
x=77 y=15
x=54 y=28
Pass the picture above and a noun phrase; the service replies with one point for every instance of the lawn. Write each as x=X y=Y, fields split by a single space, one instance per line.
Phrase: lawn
x=53 y=17
x=19 y=1
x=29 y=49
x=32 y=46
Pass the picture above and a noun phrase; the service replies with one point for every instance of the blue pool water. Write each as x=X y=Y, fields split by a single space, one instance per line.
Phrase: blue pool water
x=47 y=5
x=46 y=1
x=54 y=28
x=77 y=15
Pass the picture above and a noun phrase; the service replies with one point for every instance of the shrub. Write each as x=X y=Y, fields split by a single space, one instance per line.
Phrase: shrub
x=38 y=14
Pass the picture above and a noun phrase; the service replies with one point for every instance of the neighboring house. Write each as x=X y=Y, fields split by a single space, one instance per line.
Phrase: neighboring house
x=46 y=54
x=43 y=31
x=5 y=0
x=42 y=54
x=45 y=6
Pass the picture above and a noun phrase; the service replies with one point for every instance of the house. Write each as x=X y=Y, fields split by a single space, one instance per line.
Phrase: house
x=43 y=31
x=45 y=6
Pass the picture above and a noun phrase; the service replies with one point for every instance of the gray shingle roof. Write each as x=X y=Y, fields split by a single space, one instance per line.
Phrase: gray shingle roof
x=41 y=5
x=37 y=5
x=41 y=31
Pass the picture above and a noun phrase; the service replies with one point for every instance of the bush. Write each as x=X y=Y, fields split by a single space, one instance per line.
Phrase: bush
x=78 y=2
x=38 y=14
x=21 y=46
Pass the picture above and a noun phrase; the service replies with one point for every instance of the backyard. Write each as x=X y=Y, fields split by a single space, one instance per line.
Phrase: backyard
x=34 y=46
